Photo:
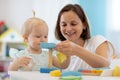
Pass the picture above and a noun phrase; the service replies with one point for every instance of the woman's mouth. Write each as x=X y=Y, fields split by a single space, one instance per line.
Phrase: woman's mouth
x=69 y=34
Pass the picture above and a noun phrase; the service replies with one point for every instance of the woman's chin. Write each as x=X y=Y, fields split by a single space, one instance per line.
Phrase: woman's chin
x=71 y=39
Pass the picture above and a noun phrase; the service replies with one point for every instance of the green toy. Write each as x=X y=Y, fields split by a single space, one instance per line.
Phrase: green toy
x=71 y=78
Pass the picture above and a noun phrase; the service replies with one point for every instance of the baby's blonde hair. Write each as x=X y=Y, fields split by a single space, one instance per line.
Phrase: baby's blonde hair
x=29 y=23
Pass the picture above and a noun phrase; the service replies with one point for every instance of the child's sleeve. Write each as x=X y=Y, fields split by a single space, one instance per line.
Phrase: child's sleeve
x=14 y=53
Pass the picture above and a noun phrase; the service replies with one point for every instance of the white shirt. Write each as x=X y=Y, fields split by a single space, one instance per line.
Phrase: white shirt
x=91 y=45
x=39 y=60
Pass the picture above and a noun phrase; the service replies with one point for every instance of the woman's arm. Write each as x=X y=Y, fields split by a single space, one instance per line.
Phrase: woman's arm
x=98 y=59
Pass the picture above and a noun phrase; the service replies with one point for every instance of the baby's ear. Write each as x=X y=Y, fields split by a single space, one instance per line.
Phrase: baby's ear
x=25 y=37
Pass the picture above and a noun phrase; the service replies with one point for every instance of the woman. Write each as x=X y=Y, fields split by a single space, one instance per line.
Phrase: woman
x=82 y=50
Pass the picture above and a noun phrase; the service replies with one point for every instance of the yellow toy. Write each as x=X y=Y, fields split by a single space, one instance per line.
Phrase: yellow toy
x=61 y=57
x=116 y=71
x=55 y=73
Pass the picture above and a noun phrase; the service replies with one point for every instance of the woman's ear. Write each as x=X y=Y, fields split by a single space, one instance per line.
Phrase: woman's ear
x=84 y=26
x=25 y=37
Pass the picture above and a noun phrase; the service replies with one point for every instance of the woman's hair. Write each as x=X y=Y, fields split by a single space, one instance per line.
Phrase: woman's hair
x=30 y=23
x=81 y=14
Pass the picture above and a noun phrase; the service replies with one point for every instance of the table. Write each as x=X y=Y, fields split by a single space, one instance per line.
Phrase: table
x=35 y=75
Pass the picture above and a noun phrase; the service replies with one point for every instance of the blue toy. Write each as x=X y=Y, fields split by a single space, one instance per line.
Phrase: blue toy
x=71 y=73
x=48 y=70
x=47 y=45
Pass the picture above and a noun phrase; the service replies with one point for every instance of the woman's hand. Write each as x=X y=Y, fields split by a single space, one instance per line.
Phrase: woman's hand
x=66 y=47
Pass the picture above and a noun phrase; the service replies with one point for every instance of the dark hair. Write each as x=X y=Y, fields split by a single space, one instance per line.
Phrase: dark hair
x=81 y=14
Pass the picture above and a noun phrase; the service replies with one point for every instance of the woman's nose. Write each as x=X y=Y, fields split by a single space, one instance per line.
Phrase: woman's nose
x=68 y=28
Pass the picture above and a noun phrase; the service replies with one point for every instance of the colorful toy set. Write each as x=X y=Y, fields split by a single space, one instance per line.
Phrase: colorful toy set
x=3 y=27
x=91 y=71
x=72 y=75
x=69 y=75
x=55 y=71
x=50 y=46
x=61 y=57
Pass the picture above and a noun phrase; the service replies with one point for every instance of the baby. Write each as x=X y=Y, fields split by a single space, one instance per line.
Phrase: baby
x=34 y=31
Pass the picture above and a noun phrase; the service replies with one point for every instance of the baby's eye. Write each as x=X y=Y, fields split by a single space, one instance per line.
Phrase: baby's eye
x=38 y=36
x=46 y=36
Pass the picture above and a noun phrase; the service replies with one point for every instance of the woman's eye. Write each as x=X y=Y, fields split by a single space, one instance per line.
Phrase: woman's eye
x=63 y=24
x=73 y=24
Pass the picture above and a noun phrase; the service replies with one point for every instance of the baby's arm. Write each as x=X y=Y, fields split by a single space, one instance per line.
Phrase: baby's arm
x=17 y=63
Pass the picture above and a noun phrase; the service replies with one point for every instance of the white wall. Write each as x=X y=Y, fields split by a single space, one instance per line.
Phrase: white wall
x=113 y=23
x=15 y=12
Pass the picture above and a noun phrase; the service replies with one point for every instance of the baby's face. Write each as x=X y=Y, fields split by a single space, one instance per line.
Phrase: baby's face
x=38 y=34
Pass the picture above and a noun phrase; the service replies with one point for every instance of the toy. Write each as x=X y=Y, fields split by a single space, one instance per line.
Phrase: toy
x=61 y=57
x=91 y=71
x=58 y=73
x=55 y=73
x=47 y=70
x=50 y=46
x=3 y=27
x=5 y=77
x=70 y=73
x=116 y=71
x=47 y=45
x=71 y=78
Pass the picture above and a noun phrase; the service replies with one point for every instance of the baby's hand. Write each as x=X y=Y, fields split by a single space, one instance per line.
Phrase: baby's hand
x=22 y=61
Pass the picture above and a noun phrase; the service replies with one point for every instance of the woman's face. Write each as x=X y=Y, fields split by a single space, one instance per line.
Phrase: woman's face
x=71 y=26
